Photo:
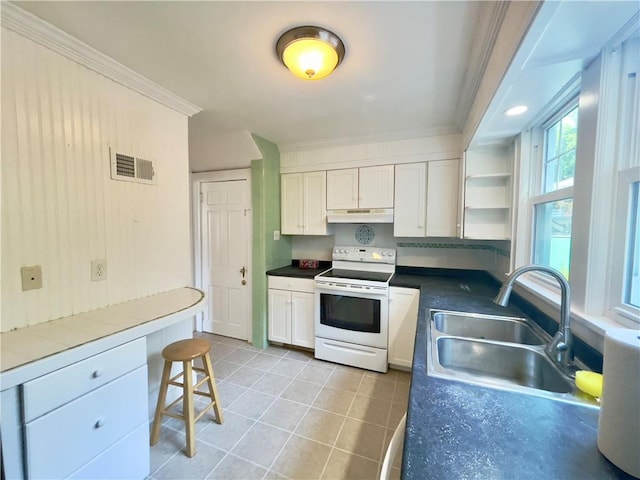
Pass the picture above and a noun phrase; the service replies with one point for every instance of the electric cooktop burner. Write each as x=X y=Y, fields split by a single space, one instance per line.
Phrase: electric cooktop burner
x=357 y=275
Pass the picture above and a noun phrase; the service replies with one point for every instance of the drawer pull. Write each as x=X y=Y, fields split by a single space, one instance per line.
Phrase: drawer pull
x=96 y=373
x=99 y=423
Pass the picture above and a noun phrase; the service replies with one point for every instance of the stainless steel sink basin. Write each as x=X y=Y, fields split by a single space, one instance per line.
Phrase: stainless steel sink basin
x=504 y=329
x=498 y=352
x=508 y=363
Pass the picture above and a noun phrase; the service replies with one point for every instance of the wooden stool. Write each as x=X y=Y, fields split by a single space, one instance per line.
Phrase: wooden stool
x=186 y=351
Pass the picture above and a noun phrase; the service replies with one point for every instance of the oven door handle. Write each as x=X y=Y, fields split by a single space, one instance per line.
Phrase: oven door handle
x=373 y=291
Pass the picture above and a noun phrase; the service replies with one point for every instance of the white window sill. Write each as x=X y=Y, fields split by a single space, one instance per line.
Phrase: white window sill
x=590 y=328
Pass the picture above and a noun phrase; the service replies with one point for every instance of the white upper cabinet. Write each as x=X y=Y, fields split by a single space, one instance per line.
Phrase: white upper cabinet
x=426 y=199
x=367 y=187
x=411 y=200
x=376 y=187
x=342 y=189
x=303 y=202
x=291 y=195
x=443 y=193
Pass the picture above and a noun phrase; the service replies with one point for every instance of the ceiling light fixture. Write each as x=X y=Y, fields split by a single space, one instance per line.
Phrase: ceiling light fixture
x=513 y=111
x=310 y=52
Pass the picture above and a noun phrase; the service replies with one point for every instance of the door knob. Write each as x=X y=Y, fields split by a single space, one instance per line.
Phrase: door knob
x=243 y=282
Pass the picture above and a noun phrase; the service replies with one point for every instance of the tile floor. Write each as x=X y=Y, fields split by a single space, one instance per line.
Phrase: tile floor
x=287 y=415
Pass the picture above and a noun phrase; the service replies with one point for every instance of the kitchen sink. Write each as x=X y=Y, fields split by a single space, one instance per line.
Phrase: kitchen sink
x=508 y=363
x=507 y=353
x=490 y=327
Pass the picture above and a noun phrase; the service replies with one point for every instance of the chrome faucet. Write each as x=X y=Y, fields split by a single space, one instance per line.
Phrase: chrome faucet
x=560 y=349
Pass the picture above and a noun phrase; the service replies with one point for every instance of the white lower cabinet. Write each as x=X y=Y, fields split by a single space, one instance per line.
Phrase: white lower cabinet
x=403 y=319
x=97 y=429
x=291 y=311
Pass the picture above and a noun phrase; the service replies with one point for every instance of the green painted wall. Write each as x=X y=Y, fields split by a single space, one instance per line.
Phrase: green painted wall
x=267 y=252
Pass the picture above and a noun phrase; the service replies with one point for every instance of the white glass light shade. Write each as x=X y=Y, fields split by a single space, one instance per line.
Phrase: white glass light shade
x=309 y=52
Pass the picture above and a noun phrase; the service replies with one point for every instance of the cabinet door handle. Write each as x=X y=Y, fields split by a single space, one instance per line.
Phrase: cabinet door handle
x=96 y=373
x=99 y=423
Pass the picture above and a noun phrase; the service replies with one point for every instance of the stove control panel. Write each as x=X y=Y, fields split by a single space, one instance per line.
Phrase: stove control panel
x=365 y=254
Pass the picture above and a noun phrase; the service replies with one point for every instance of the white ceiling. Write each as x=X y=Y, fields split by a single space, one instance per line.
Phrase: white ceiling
x=563 y=39
x=403 y=73
x=407 y=71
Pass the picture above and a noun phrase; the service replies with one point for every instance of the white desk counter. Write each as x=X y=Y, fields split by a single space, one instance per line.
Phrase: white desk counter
x=29 y=352
x=70 y=373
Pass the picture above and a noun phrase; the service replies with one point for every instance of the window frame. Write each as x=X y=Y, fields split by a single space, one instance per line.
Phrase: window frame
x=601 y=95
x=618 y=310
x=571 y=102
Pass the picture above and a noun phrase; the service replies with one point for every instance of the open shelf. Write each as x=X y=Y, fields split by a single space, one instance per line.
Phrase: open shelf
x=488 y=193
x=502 y=175
x=487 y=207
x=487 y=223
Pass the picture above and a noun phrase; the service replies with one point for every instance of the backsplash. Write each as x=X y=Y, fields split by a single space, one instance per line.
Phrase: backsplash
x=492 y=256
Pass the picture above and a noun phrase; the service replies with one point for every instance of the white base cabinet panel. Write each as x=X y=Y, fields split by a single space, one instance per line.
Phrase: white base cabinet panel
x=85 y=427
x=291 y=311
x=403 y=320
x=57 y=388
x=124 y=459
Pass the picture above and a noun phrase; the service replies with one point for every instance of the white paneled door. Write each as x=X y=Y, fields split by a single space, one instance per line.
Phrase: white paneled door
x=225 y=229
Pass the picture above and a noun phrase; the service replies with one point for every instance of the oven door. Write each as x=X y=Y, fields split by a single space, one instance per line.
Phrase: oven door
x=352 y=315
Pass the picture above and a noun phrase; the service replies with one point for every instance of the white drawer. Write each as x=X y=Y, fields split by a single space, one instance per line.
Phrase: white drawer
x=290 y=283
x=57 y=388
x=59 y=443
x=128 y=458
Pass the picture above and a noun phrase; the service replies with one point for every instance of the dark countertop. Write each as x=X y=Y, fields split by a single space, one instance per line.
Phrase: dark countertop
x=457 y=430
x=294 y=271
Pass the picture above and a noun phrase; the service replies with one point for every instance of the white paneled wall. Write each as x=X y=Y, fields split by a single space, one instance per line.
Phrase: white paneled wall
x=307 y=158
x=60 y=208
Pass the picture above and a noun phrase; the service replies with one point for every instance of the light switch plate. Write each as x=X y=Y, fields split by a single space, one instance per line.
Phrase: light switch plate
x=31 y=277
x=276 y=234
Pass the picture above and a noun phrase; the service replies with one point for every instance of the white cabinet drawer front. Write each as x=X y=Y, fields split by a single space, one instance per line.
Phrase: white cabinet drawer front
x=57 y=388
x=293 y=284
x=127 y=458
x=62 y=441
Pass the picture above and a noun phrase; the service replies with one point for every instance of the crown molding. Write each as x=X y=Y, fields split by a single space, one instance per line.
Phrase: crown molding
x=34 y=28
x=484 y=39
x=382 y=138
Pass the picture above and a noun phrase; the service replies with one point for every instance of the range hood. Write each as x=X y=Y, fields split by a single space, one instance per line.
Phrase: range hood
x=361 y=215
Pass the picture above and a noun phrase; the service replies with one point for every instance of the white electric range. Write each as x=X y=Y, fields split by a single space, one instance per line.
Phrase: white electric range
x=352 y=307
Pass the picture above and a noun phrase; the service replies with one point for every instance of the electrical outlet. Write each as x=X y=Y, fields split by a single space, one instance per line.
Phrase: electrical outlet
x=98 y=270
x=31 y=277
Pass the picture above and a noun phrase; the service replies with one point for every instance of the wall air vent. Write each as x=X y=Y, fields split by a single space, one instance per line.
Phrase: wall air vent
x=131 y=169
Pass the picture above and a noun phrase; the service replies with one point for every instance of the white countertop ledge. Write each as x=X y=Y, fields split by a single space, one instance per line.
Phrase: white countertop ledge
x=27 y=353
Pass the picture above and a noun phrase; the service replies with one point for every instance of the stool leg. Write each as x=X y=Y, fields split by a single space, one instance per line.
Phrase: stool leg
x=162 y=398
x=213 y=390
x=187 y=409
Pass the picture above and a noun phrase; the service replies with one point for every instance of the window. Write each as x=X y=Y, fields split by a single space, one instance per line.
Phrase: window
x=632 y=275
x=592 y=219
x=553 y=207
x=624 y=254
x=625 y=261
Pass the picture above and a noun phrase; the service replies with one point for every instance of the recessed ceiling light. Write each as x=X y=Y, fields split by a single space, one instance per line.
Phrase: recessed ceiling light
x=518 y=110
